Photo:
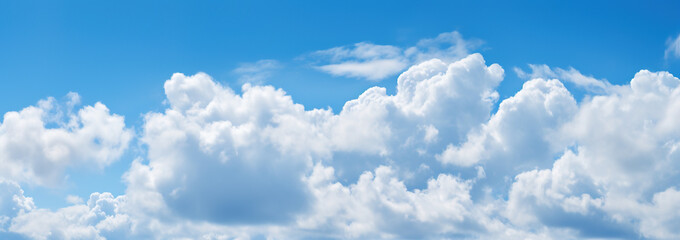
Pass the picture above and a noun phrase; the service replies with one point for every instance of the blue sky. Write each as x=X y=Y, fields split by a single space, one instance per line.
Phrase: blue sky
x=54 y=47
x=324 y=55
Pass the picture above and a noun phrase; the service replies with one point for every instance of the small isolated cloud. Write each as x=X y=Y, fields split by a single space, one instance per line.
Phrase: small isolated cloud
x=672 y=48
x=257 y=72
x=570 y=75
x=376 y=62
x=72 y=199
x=363 y=60
x=372 y=70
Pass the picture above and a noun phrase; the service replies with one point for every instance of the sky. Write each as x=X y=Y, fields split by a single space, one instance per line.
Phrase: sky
x=336 y=120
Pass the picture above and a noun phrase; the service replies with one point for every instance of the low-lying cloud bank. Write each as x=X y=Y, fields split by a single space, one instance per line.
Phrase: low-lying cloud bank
x=431 y=161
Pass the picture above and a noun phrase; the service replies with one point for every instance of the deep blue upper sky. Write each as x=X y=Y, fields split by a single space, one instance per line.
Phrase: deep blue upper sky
x=121 y=52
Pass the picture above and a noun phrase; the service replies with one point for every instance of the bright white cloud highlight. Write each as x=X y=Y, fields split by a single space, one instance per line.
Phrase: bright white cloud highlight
x=379 y=205
x=260 y=144
x=430 y=161
x=39 y=142
x=523 y=127
x=12 y=203
x=100 y=218
x=626 y=161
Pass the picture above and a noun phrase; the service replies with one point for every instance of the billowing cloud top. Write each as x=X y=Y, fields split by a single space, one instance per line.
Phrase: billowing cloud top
x=33 y=151
x=431 y=161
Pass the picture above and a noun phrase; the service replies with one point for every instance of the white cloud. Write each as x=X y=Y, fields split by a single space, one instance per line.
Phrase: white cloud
x=540 y=193
x=72 y=199
x=599 y=86
x=12 y=203
x=636 y=119
x=659 y=218
x=379 y=205
x=257 y=72
x=449 y=46
x=39 y=142
x=260 y=144
x=430 y=161
x=376 y=62
x=100 y=218
x=524 y=127
x=672 y=48
x=623 y=170
x=242 y=142
x=372 y=69
x=364 y=60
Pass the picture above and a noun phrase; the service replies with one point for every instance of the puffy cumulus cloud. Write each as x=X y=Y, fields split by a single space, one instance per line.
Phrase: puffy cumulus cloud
x=102 y=217
x=618 y=165
x=39 y=142
x=659 y=218
x=211 y=135
x=259 y=145
x=522 y=133
x=376 y=62
x=432 y=98
x=430 y=161
x=562 y=197
x=12 y=202
x=623 y=171
x=641 y=119
x=379 y=205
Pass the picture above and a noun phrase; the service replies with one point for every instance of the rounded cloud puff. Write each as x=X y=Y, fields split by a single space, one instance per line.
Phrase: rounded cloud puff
x=430 y=161
x=39 y=142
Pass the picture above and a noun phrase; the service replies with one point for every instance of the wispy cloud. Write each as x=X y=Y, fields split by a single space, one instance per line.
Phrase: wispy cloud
x=75 y=200
x=257 y=72
x=376 y=62
x=570 y=75
x=363 y=60
x=672 y=48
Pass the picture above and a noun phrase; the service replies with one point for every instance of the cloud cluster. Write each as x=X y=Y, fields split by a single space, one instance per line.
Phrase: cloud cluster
x=259 y=145
x=39 y=142
x=12 y=203
x=100 y=218
x=431 y=161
